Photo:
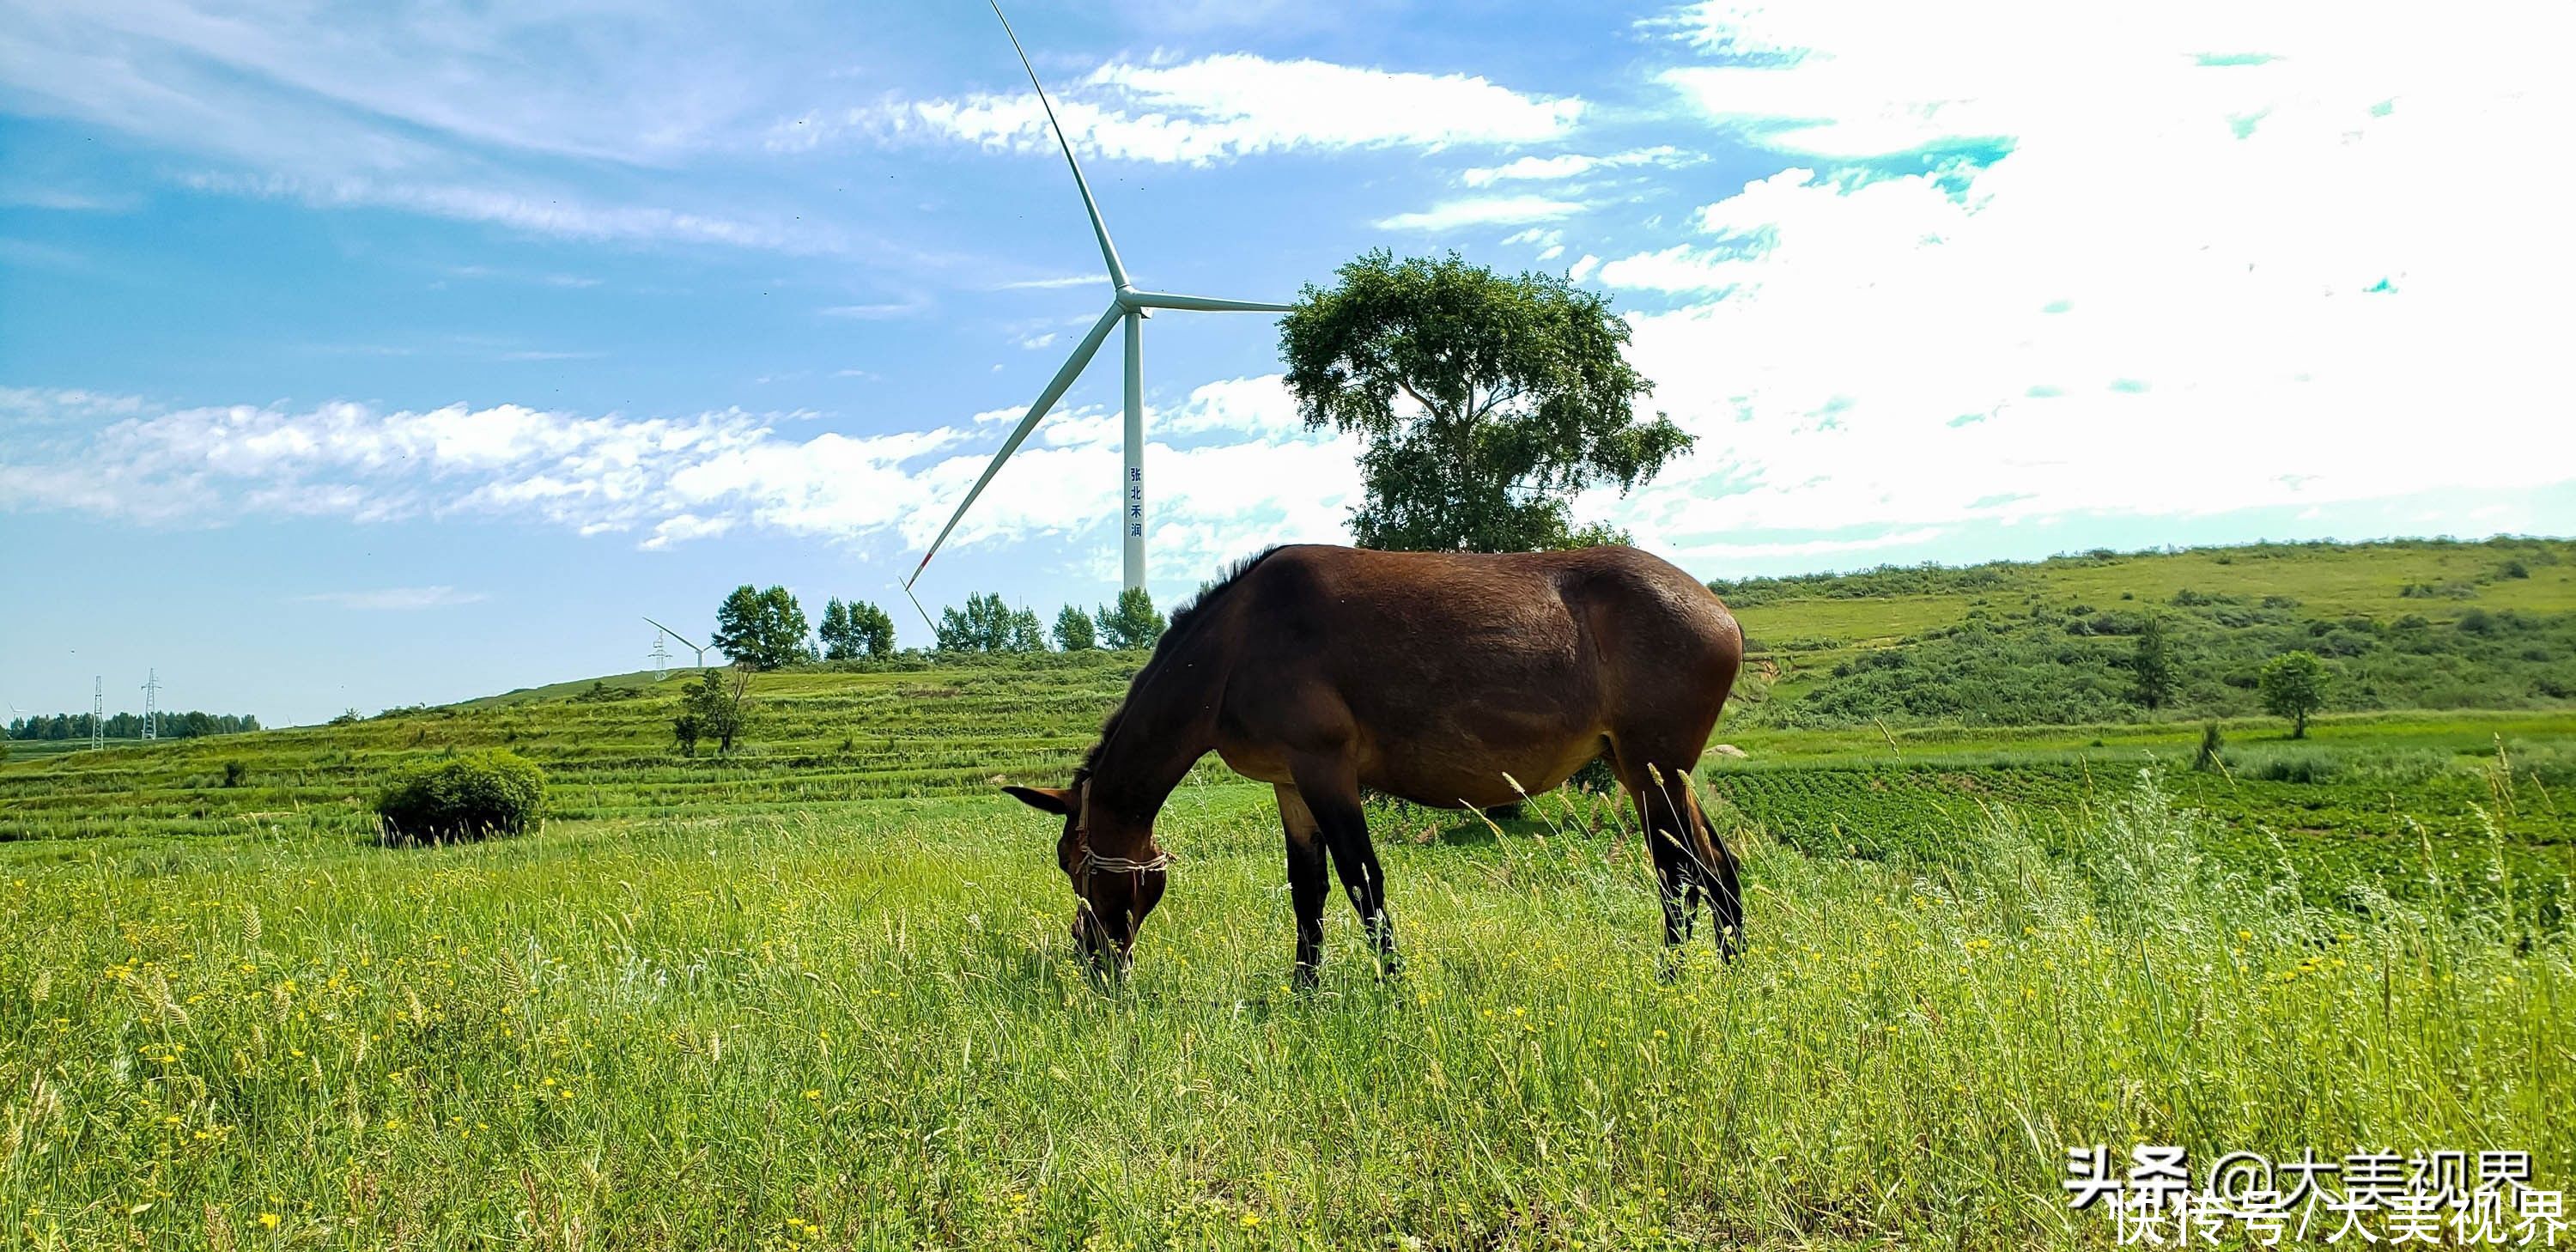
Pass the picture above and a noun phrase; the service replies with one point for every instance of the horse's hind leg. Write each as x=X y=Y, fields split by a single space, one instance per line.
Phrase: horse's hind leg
x=1675 y=886
x=1306 y=887
x=1690 y=858
x=1332 y=794
x=1726 y=887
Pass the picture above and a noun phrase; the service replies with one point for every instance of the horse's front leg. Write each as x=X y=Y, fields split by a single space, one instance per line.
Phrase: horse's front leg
x=1306 y=887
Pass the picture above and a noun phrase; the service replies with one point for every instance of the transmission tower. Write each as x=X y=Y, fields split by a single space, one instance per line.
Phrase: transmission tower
x=661 y=660
x=151 y=705
x=682 y=640
x=98 y=712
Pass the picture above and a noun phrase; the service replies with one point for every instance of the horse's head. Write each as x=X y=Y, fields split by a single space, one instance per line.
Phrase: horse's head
x=1112 y=893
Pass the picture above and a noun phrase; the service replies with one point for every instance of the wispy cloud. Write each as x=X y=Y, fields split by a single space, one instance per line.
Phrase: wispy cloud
x=540 y=213
x=873 y=312
x=396 y=599
x=1569 y=165
x=1482 y=211
x=32 y=255
x=1215 y=108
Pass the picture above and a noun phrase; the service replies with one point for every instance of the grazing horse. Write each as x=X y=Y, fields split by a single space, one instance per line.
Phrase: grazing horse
x=1438 y=677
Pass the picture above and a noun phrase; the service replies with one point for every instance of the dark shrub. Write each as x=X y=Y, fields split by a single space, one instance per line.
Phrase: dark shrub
x=461 y=797
x=234 y=773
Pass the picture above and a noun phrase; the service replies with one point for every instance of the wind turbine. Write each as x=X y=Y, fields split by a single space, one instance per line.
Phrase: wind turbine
x=1127 y=305
x=702 y=652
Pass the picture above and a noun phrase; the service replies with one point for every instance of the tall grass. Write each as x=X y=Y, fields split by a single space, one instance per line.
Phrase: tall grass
x=867 y=1029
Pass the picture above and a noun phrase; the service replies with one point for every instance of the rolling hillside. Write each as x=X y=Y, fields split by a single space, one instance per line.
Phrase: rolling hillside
x=834 y=736
x=2402 y=625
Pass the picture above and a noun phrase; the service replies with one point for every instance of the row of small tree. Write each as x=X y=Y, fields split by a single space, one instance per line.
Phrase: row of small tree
x=987 y=624
x=766 y=629
x=169 y=725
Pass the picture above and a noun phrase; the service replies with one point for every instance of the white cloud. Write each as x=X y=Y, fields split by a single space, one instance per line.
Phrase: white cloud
x=396 y=599
x=1568 y=165
x=1217 y=108
x=1231 y=468
x=2171 y=283
x=1482 y=211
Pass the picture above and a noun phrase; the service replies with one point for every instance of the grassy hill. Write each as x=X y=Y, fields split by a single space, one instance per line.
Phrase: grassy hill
x=819 y=739
x=2401 y=625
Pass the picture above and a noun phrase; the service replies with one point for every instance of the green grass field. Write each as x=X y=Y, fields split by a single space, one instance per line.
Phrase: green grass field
x=820 y=994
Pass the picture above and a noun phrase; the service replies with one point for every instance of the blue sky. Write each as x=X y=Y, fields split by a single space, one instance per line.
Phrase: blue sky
x=362 y=355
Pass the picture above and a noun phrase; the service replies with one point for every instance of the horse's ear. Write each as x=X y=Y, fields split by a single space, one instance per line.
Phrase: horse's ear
x=1043 y=799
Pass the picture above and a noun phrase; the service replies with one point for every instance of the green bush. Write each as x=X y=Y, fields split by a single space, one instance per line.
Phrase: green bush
x=461 y=797
x=2289 y=765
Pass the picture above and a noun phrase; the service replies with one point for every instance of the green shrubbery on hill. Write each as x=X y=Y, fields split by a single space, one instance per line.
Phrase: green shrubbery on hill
x=2056 y=654
x=2064 y=666
x=468 y=796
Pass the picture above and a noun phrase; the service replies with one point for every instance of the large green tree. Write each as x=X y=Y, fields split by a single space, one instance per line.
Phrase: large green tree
x=1074 y=632
x=2153 y=665
x=2294 y=686
x=718 y=708
x=762 y=629
x=871 y=631
x=835 y=630
x=854 y=631
x=1132 y=624
x=1484 y=400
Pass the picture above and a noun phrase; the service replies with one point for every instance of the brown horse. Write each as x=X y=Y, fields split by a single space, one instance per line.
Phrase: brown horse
x=1448 y=679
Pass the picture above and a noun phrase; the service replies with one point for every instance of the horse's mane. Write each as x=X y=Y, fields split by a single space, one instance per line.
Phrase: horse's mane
x=1186 y=621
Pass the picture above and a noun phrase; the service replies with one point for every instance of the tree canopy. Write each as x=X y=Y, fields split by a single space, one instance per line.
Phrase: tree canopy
x=762 y=629
x=718 y=707
x=987 y=624
x=1484 y=400
x=1131 y=624
x=1074 y=631
x=856 y=631
x=2294 y=686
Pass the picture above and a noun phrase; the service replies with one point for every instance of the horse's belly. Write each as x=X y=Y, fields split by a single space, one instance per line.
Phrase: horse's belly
x=1261 y=763
x=1471 y=775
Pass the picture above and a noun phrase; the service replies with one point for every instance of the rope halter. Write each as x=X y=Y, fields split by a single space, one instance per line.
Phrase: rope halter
x=1092 y=860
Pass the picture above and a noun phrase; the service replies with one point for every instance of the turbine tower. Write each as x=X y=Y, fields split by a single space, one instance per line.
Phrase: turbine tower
x=1128 y=307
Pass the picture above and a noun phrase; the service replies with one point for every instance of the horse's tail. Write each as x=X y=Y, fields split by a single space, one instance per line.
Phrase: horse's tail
x=1716 y=867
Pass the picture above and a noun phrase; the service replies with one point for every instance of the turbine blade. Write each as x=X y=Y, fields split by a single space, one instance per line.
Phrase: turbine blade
x=1099 y=228
x=1202 y=304
x=672 y=633
x=1046 y=400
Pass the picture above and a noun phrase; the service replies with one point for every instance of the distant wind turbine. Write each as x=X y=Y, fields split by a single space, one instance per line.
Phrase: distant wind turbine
x=1128 y=305
x=701 y=651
